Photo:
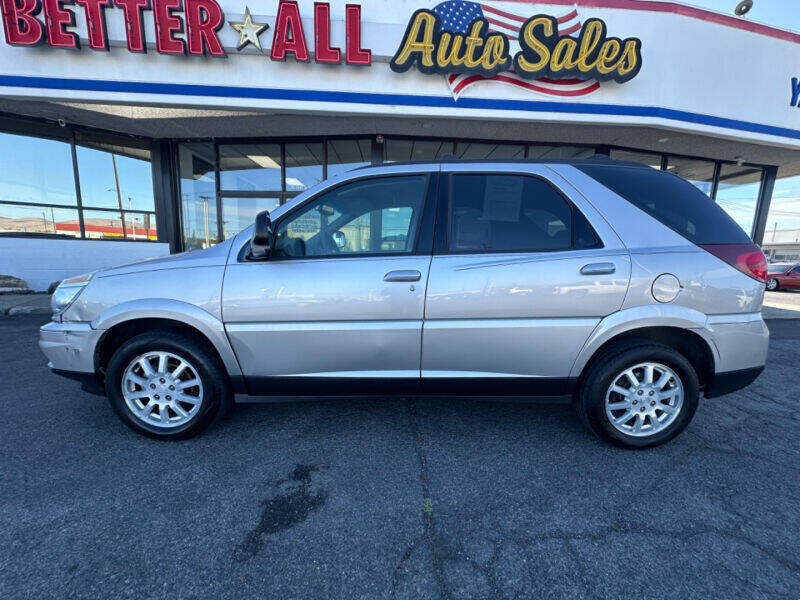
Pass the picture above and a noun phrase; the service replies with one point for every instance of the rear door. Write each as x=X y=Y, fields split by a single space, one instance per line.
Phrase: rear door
x=519 y=279
x=338 y=306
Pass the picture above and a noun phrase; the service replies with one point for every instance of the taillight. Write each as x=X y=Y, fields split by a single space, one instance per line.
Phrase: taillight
x=748 y=258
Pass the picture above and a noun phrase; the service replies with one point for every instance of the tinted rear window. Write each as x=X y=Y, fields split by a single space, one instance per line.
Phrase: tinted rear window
x=673 y=201
x=513 y=213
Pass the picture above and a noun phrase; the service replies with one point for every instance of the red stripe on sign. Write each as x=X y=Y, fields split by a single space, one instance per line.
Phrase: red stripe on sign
x=511 y=37
x=569 y=30
x=513 y=28
x=524 y=84
x=678 y=9
x=544 y=90
x=502 y=13
x=568 y=17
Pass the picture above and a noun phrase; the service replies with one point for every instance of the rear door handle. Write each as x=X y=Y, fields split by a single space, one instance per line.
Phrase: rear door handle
x=402 y=276
x=598 y=269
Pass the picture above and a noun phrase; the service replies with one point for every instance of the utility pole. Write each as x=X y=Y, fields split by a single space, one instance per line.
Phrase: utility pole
x=119 y=195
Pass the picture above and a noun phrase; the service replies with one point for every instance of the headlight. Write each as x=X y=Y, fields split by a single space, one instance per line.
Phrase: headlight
x=67 y=291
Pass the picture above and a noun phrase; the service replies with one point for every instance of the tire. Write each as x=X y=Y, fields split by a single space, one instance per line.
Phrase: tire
x=597 y=403
x=125 y=376
x=773 y=285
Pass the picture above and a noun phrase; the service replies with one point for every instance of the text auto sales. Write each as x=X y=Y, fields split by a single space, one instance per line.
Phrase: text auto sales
x=37 y=22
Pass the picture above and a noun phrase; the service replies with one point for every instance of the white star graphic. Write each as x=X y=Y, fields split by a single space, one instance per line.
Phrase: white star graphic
x=248 y=30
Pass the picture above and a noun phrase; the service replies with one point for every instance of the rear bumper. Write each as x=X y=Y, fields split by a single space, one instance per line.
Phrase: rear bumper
x=741 y=341
x=731 y=381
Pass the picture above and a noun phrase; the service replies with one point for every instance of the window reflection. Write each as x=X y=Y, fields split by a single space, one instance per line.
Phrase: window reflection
x=646 y=158
x=16 y=219
x=559 y=152
x=250 y=167
x=36 y=170
x=238 y=213
x=405 y=150
x=474 y=151
x=303 y=166
x=346 y=155
x=699 y=173
x=107 y=225
x=782 y=235
x=115 y=177
x=737 y=193
x=198 y=195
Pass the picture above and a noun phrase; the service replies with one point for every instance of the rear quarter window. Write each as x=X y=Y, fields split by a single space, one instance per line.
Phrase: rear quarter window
x=671 y=200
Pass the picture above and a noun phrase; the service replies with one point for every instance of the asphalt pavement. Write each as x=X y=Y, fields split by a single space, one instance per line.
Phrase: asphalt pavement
x=400 y=498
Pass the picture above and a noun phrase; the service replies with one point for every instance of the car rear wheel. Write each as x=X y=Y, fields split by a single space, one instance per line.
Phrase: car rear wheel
x=166 y=386
x=638 y=396
x=772 y=284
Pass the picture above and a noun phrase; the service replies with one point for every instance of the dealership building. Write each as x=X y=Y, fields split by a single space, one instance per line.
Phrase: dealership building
x=136 y=128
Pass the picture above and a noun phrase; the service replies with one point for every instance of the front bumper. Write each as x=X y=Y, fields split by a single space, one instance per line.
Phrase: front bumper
x=69 y=346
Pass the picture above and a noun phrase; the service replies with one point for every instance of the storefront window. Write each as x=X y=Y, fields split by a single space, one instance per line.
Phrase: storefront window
x=117 y=177
x=782 y=234
x=700 y=173
x=646 y=158
x=39 y=219
x=559 y=152
x=475 y=151
x=238 y=213
x=405 y=150
x=198 y=195
x=737 y=193
x=36 y=170
x=303 y=166
x=250 y=167
x=35 y=174
x=346 y=155
x=38 y=195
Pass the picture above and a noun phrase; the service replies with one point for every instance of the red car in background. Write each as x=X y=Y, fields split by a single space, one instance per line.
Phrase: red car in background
x=783 y=277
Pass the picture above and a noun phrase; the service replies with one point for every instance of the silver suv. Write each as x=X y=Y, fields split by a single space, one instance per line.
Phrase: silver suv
x=620 y=286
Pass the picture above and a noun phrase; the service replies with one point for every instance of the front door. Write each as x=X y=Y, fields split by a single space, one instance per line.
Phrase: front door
x=792 y=279
x=519 y=280
x=338 y=306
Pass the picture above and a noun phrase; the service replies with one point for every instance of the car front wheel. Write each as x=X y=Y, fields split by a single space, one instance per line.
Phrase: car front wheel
x=639 y=396
x=166 y=385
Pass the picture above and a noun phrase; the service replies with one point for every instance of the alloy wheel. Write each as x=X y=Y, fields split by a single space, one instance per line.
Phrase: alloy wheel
x=162 y=389
x=644 y=399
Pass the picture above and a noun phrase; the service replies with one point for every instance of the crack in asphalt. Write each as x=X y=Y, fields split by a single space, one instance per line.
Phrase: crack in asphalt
x=429 y=523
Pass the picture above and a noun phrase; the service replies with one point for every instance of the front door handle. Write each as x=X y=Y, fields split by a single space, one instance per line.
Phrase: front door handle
x=598 y=269
x=402 y=276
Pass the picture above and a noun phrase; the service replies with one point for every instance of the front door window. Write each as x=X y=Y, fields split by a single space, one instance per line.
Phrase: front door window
x=373 y=216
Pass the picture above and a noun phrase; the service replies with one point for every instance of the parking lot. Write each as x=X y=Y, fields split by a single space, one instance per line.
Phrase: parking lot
x=395 y=498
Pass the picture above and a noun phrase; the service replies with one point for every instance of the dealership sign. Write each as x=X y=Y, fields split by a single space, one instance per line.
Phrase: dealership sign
x=543 y=52
x=558 y=55
x=182 y=27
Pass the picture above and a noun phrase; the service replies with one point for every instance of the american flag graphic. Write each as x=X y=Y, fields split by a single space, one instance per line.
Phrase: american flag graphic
x=456 y=16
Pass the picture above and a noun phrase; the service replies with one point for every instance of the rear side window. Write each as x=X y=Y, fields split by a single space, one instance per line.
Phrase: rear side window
x=513 y=213
x=673 y=201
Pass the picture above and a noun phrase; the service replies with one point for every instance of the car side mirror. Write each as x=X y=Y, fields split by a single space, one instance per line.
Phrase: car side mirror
x=263 y=237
